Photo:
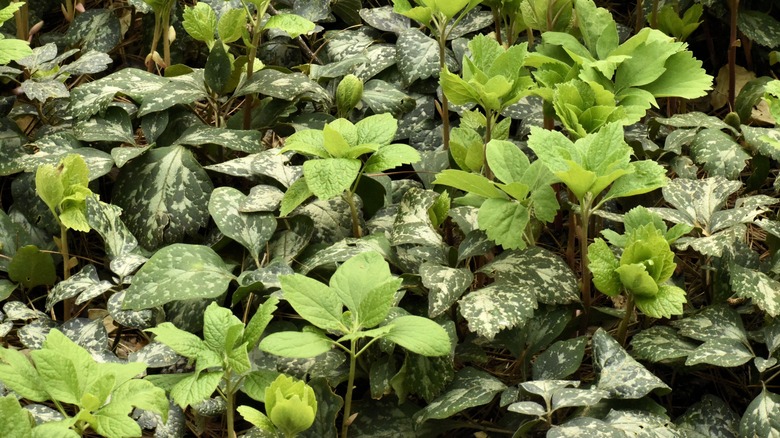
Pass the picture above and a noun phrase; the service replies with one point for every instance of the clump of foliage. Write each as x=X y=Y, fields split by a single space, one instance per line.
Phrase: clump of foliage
x=332 y=218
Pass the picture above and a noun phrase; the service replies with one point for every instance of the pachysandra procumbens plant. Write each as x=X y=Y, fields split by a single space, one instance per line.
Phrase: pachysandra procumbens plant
x=506 y=208
x=647 y=66
x=290 y=408
x=335 y=166
x=588 y=167
x=365 y=286
x=643 y=270
x=493 y=78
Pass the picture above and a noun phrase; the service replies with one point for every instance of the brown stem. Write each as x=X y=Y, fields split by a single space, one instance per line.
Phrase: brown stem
x=23 y=23
x=654 y=15
x=734 y=6
x=640 y=16
x=622 y=332
x=166 y=24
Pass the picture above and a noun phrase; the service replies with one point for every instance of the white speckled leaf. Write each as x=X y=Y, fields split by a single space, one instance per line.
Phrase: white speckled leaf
x=470 y=388
x=164 y=195
x=718 y=153
x=178 y=272
x=641 y=423
x=760 y=418
x=659 y=344
x=44 y=90
x=412 y=223
x=90 y=98
x=619 y=374
x=251 y=230
x=114 y=126
x=241 y=166
x=344 y=44
x=184 y=90
x=95 y=29
x=720 y=352
x=345 y=249
x=238 y=140
x=285 y=86
x=122 y=155
x=383 y=18
x=137 y=319
x=586 y=427
x=418 y=56
x=98 y=162
x=561 y=360
x=574 y=397
x=713 y=323
x=698 y=199
x=542 y=271
x=711 y=417
x=384 y=97
x=445 y=285
x=85 y=285
x=760 y=27
x=261 y=198
x=88 y=63
x=762 y=289
x=496 y=307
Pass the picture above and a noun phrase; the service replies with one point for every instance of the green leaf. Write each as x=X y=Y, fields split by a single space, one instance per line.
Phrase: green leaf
x=295 y=195
x=178 y=272
x=505 y=222
x=667 y=302
x=256 y=326
x=647 y=176
x=391 y=156
x=231 y=25
x=723 y=352
x=180 y=90
x=31 y=267
x=719 y=153
x=256 y=418
x=313 y=301
x=183 y=343
x=496 y=307
x=330 y=177
x=470 y=388
x=251 y=230
x=113 y=421
x=469 y=182
x=619 y=374
x=711 y=417
x=8 y=12
x=218 y=68
x=419 y=335
x=294 y=25
x=148 y=192
x=200 y=22
x=683 y=77
x=445 y=285
x=377 y=129
x=760 y=418
x=195 y=388
x=296 y=344
x=20 y=376
x=14 y=421
x=660 y=344
x=637 y=280
x=59 y=376
x=358 y=279
x=603 y=265
x=507 y=162
x=222 y=330
x=85 y=285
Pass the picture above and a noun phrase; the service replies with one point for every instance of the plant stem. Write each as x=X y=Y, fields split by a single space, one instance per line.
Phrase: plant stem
x=350 y=198
x=734 y=6
x=166 y=24
x=249 y=102
x=585 y=212
x=65 y=252
x=654 y=15
x=640 y=16
x=350 y=383
x=490 y=120
x=230 y=401
x=445 y=104
x=622 y=332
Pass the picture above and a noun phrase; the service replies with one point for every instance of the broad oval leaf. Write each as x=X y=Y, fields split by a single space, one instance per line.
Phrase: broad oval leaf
x=178 y=272
x=251 y=230
x=419 y=335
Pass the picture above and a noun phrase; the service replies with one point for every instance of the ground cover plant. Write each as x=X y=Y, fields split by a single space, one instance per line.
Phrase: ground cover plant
x=333 y=218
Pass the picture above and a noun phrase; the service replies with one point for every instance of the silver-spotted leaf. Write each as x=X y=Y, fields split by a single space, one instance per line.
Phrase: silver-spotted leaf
x=445 y=285
x=760 y=418
x=470 y=388
x=251 y=230
x=499 y=306
x=620 y=374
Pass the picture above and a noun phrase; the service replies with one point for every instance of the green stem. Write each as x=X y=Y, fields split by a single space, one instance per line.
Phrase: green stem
x=65 y=252
x=350 y=383
x=350 y=198
x=249 y=102
x=490 y=120
x=445 y=104
x=230 y=401
x=585 y=211
x=622 y=332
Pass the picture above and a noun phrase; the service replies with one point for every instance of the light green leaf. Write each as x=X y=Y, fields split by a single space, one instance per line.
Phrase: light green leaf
x=221 y=329
x=360 y=277
x=330 y=177
x=141 y=394
x=296 y=344
x=231 y=25
x=295 y=195
x=178 y=272
x=294 y=25
x=256 y=418
x=505 y=222
x=20 y=376
x=683 y=77
x=14 y=421
x=667 y=302
x=113 y=421
x=391 y=156
x=314 y=301
x=256 y=326
x=603 y=265
x=507 y=162
x=59 y=376
x=195 y=388
x=183 y=343
x=200 y=22
x=647 y=176
x=377 y=129
x=470 y=388
x=469 y=182
x=419 y=335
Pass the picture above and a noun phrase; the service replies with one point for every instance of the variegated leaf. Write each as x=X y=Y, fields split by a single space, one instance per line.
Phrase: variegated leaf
x=760 y=418
x=98 y=162
x=43 y=90
x=90 y=98
x=641 y=423
x=95 y=29
x=114 y=126
x=241 y=166
x=332 y=219
x=474 y=20
x=178 y=272
x=384 y=97
x=470 y=388
x=499 y=306
x=383 y=18
x=445 y=285
x=713 y=323
x=87 y=333
x=711 y=417
x=759 y=287
x=346 y=249
x=619 y=374
x=105 y=219
x=347 y=43
x=586 y=427
x=261 y=198
x=285 y=86
x=760 y=27
x=540 y=270
x=122 y=155
x=184 y=90
x=154 y=355
x=718 y=153
x=137 y=319
x=18 y=311
x=660 y=344
x=697 y=199
x=714 y=244
x=379 y=57
x=412 y=224
x=720 y=352
x=238 y=140
x=289 y=243
x=85 y=285
x=576 y=397
x=251 y=230
x=149 y=191
x=88 y=63
x=418 y=56
x=561 y=360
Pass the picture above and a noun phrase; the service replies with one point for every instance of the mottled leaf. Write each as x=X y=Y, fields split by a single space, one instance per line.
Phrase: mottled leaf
x=619 y=374
x=659 y=344
x=252 y=230
x=445 y=285
x=238 y=140
x=561 y=360
x=496 y=307
x=710 y=417
x=470 y=388
x=759 y=287
x=760 y=418
x=412 y=223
